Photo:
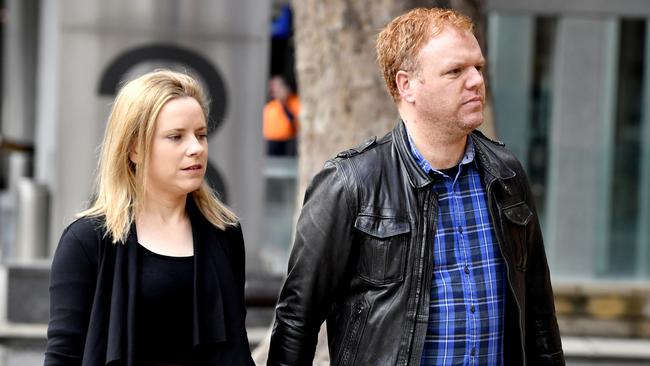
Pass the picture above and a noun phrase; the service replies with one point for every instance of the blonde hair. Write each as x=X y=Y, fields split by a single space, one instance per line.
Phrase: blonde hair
x=400 y=42
x=119 y=187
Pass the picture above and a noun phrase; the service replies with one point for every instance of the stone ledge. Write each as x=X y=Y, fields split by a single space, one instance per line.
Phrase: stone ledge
x=23 y=331
x=604 y=309
x=592 y=347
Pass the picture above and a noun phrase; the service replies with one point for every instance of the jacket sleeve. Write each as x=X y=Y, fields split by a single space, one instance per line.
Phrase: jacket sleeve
x=72 y=285
x=317 y=264
x=543 y=343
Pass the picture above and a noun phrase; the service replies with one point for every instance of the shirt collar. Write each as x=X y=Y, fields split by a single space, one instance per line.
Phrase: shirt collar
x=468 y=157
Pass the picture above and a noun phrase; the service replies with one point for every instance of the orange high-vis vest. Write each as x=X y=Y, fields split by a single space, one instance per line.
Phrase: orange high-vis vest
x=277 y=126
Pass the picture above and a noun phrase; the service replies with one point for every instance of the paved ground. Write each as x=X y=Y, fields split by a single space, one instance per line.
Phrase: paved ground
x=27 y=350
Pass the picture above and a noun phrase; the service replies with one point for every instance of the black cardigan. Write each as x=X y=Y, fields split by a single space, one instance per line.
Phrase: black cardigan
x=92 y=296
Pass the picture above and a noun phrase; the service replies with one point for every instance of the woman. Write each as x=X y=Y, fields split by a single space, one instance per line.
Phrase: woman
x=153 y=272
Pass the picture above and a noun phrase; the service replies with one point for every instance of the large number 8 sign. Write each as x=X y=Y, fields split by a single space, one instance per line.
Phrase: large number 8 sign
x=118 y=68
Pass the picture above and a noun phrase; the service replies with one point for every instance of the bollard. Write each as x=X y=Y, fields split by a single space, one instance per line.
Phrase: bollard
x=32 y=208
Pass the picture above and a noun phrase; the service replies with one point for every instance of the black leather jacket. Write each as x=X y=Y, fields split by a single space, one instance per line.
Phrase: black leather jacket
x=362 y=259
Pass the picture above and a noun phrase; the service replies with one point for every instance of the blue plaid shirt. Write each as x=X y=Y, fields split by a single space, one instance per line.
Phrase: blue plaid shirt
x=468 y=286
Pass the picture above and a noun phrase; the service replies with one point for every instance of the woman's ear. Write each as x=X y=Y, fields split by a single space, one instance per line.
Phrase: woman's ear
x=405 y=82
x=133 y=155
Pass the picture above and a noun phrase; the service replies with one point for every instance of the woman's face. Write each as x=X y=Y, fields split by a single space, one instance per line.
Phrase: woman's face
x=179 y=150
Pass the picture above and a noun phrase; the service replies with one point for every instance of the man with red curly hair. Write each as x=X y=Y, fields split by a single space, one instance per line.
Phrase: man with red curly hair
x=422 y=247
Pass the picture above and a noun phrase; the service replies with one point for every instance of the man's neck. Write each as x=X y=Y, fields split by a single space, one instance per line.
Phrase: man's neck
x=441 y=150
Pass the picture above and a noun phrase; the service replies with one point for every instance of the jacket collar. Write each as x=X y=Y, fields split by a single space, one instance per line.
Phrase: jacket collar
x=417 y=177
x=486 y=157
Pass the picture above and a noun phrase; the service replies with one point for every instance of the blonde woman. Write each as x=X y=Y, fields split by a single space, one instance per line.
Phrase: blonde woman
x=153 y=272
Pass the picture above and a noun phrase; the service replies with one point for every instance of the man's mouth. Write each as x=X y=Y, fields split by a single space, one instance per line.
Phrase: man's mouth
x=477 y=98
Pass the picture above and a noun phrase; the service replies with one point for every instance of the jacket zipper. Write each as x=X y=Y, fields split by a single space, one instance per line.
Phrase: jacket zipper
x=430 y=221
x=501 y=243
x=358 y=309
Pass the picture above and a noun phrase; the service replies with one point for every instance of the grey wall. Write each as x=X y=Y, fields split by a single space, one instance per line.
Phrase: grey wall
x=79 y=39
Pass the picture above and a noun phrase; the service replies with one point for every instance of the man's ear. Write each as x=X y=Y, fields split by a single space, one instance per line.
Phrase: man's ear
x=405 y=83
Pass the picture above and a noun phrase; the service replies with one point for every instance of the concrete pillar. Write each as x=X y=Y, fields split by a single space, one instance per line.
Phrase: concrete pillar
x=87 y=37
x=18 y=97
x=581 y=142
x=643 y=241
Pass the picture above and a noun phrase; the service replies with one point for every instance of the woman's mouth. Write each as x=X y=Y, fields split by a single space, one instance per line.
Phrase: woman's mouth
x=193 y=167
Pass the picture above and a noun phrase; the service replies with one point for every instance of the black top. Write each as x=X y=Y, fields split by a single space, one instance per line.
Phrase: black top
x=94 y=298
x=164 y=311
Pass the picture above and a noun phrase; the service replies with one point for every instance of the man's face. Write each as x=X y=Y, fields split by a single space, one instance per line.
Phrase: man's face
x=278 y=89
x=449 y=89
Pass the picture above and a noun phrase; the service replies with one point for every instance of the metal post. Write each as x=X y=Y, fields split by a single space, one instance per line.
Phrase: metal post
x=32 y=208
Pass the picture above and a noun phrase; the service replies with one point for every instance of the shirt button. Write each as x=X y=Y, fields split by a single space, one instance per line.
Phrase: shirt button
x=466 y=270
x=473 y=352
x=460 y=229
x=472 y=309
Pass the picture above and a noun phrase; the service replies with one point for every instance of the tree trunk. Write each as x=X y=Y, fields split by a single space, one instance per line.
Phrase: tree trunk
x=343 y=97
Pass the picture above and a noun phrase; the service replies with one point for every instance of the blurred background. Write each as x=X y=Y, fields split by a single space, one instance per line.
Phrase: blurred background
x=570 y=95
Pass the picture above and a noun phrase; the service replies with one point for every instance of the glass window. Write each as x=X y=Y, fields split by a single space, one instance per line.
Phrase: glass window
x=624 y=223
x=589 y=164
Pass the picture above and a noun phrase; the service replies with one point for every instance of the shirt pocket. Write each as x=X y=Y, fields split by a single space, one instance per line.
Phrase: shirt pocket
x=517 y=218
x=382 y=251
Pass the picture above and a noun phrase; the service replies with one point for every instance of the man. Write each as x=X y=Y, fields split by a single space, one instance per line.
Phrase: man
x=423 y=247
x=280 y=123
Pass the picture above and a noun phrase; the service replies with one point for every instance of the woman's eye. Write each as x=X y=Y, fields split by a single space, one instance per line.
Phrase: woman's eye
x=202 y=136
x=174 y=137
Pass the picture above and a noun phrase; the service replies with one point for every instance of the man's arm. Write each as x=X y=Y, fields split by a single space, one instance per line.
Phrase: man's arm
x=318 y=262
x=543 y=343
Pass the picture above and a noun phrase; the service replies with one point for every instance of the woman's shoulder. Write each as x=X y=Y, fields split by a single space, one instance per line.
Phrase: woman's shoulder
x=233 y=232
x=80 y=241
x=85 y=226
x=87 y=231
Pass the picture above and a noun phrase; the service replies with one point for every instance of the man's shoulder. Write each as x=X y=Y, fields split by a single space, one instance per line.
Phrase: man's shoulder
x=359 y=149
x=365 y=149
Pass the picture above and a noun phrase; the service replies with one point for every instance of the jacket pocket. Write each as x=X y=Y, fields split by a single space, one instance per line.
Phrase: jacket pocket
x=517 y=218
x=353 y=333
x=382 y=251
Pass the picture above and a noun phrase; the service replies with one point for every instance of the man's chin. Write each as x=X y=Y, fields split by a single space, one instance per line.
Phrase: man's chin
x=470 y=124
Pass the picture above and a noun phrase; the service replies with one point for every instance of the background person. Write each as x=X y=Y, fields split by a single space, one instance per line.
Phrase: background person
x=153 y=272
x=280 y=122
x=422 y=247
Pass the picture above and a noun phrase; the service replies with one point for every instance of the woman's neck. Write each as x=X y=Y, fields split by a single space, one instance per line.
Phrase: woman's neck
x=163 y=211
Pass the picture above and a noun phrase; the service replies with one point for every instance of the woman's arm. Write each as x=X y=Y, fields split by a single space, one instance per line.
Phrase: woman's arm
x=72 y=285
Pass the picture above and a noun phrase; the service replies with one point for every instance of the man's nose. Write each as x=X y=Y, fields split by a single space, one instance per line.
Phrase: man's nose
x=475 y=78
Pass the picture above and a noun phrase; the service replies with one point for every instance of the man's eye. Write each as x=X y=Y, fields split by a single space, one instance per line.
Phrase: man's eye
x=455 y=71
